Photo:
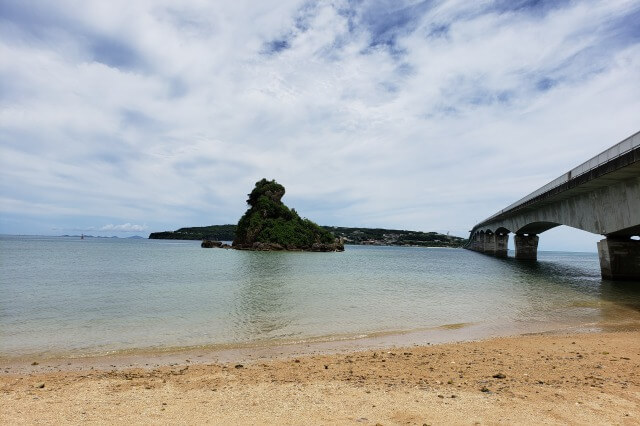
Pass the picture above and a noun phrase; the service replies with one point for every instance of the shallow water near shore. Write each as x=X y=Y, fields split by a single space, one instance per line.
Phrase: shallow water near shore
x=70 y=297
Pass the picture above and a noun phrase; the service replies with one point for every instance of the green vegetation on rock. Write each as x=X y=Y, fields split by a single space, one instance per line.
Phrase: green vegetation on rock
x=270 y=225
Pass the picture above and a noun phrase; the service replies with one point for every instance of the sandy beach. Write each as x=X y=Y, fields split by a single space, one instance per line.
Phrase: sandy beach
x=532 y=379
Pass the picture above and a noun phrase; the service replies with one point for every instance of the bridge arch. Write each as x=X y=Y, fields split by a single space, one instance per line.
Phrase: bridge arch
x=537 y=227
x=600 y=196
x=502 y=230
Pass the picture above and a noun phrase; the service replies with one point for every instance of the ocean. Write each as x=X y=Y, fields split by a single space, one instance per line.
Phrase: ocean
x=63 y=296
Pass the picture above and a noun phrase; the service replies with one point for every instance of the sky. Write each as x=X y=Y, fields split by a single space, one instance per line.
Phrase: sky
x=124 y=118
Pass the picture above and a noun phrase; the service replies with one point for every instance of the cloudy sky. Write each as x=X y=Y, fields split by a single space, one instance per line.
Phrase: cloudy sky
x=128 y=117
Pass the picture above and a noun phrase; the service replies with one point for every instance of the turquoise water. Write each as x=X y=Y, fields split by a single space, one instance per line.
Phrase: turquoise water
x=63 y=296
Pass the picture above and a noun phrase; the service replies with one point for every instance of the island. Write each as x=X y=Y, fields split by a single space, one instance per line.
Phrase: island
x=213 y=232
x=395 y=237
x=348 y=235
x=269 y=224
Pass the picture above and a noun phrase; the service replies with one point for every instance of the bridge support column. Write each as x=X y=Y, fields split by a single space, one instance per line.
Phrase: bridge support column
x=480 y=243
x=526 y=246
x=502 y=243
x=619 y=259
x=496 y=244
x=489 y=243
x=477 y=244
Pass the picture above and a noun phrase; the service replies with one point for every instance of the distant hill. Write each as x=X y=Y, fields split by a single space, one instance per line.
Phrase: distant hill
x=394 y=237
x=213 y=232
x=355 y=236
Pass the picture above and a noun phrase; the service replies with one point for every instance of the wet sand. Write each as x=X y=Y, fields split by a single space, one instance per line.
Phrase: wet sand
x=575 y=378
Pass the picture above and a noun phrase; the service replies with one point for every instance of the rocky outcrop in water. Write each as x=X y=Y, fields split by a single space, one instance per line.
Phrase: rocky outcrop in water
x=210 y=244
x=269 y=225
x=214 y=244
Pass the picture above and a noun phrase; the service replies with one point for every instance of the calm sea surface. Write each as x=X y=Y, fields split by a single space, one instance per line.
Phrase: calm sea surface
x=66 y=296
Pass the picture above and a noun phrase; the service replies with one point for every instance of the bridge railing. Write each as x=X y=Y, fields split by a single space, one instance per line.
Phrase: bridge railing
x=619 y=149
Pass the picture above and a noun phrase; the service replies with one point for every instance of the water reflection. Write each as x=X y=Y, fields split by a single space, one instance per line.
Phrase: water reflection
x=264 y=304
x=575 y=273
x=558 y=287
x=577 y=287
x=626 y=293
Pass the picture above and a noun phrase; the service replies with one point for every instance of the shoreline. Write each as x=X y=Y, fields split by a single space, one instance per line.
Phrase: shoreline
x=533 y=378
x=157 y=356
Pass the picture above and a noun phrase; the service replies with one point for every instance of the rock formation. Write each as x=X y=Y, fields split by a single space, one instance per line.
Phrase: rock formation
x=270 y=225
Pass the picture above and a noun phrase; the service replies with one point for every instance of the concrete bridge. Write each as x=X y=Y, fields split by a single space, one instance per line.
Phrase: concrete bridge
x=601 y=195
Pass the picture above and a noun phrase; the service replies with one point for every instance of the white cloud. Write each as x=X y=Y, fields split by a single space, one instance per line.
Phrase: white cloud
x=167 y=115
x=125 y=227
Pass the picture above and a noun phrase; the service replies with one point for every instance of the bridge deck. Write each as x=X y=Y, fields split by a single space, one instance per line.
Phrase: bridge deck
x=619 y=162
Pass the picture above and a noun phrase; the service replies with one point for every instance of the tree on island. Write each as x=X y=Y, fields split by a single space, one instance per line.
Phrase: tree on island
x=270 y=225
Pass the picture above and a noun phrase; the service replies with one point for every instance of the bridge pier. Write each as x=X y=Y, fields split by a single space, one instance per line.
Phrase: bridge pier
x=490 y=243
x=526 y=246
x=481 y=239
x=477 y=242
x=619 y=259
x=497 y=244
